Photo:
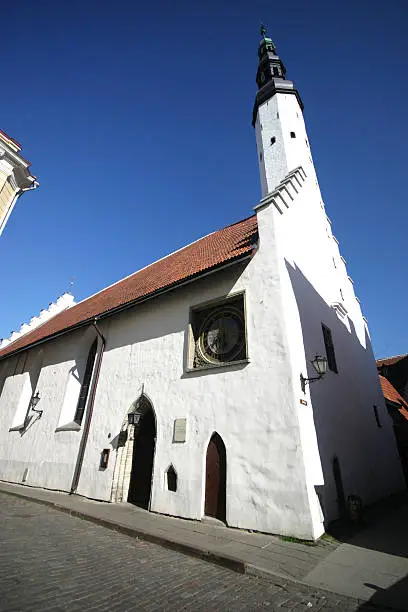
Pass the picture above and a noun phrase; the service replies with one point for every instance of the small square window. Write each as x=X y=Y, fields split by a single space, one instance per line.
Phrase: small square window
x=328 y=342
x=292 y=135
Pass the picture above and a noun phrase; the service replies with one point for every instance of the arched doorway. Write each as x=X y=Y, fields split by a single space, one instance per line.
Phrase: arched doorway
x=215 y=478
x=143 y=456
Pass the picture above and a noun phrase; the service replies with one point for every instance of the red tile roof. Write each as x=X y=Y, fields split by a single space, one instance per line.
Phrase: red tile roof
x=226 y=245
x=391 y=360
x=390 y=393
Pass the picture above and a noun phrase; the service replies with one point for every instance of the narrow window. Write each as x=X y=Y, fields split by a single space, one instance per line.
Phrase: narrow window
x=260 y=156
x=273 y=140
x=275 y=71
x=328 y=342
x=277 y=115
x=171 y=479
x=307 y=144
x=83 y=394
x=377 y=418
x=334 y=263
x=341 y=294
x=292 y=135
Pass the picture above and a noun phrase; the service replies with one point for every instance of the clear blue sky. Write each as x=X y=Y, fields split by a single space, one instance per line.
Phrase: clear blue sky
x=137 y=120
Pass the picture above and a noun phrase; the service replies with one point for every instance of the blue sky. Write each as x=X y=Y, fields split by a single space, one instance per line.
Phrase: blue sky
x=137 y=121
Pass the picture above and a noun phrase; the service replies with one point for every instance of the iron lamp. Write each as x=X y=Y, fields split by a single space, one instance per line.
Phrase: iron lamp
x=320 y=365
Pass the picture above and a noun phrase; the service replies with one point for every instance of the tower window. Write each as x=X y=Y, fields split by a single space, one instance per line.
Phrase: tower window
x=292 y=135
x=307 y=144
x=341 y=294
x=273 y=140
x=275 y=71
x=328 y=343
x=260 y=156
x=377 y=418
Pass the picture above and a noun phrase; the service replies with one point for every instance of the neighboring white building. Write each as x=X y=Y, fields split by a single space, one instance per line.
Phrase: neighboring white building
x=15 y=177
x=179 y=387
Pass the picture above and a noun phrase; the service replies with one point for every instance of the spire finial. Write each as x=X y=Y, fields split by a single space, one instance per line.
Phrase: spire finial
x=263 y=30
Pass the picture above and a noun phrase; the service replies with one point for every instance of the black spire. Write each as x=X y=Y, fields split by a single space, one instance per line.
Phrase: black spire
x=271 y=74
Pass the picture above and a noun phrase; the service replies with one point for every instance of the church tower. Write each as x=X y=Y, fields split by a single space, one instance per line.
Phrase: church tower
x=15 y=177
x=278 y=120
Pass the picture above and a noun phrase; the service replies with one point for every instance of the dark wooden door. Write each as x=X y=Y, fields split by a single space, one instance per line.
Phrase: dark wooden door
x=215 y=479
x=142 y=463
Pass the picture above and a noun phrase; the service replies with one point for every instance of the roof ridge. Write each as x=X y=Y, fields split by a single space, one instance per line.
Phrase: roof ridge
x=219 y=248
x=162 y=259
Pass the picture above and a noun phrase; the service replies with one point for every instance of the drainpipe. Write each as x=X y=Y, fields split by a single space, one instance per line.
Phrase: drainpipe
x=89 y=413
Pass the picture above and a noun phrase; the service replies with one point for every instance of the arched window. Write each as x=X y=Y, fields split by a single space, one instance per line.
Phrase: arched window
x=171 y=479
x=83 y=394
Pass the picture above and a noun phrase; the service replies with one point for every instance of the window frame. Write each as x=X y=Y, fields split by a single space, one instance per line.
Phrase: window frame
x=329 y=347
x=86 y=383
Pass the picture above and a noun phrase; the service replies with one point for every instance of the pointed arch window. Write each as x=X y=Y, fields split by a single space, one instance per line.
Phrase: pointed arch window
x=83 y=394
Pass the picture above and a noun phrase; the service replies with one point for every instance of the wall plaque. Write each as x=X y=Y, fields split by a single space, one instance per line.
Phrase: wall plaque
x=179 y=431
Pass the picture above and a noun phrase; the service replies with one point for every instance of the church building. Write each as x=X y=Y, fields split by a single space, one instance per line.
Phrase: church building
x=233 y=378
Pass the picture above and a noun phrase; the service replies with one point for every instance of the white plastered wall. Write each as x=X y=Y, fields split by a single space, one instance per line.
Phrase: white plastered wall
x=340 y=406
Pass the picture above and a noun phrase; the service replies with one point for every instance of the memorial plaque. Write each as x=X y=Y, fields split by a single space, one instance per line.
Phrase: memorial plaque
x=179 y=432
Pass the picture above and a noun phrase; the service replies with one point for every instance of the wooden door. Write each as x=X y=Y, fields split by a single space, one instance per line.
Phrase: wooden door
x=142 y=463
x=215 y=479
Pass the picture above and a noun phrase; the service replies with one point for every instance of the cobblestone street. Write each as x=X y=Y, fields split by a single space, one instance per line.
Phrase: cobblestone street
x=51 y=561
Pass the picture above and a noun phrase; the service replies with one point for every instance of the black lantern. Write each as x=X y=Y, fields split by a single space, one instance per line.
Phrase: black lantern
x=320 y=365
x=33 y=403
x=134 y=418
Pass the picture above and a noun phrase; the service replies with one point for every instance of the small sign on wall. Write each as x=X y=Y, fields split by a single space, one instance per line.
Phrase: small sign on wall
x=179 y=431
x=104 y=459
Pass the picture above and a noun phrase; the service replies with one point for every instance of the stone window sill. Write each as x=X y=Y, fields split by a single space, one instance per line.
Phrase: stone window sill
x=69 y=427
x=220 y=366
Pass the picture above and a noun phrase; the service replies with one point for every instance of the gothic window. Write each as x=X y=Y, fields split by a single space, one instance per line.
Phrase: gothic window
x=218 y=333
x=292 y=135
x=83 y=394
x=328 y=342
x=275 y=71
x=171 y=477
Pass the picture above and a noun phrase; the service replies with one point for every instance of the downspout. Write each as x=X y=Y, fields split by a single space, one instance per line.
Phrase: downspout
x=89 y=413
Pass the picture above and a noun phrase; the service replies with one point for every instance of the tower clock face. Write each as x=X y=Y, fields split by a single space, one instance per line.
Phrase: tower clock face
x=222 y=335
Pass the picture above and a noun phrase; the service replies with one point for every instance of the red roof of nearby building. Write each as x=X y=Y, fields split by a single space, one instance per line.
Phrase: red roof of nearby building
x=226 y=245
x=390 y=360
x=390 y=393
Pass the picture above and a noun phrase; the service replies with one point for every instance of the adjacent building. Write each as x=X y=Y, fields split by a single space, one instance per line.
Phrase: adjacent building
x=15 y=177
x=188 y=387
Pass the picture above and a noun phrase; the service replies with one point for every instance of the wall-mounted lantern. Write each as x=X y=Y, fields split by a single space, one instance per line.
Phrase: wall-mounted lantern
x=134 y=418
x=320 y=365
x=33 y=403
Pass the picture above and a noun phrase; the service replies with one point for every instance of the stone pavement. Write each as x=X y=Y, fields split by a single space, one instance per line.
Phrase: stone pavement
x=51 y=562
x=372 y=566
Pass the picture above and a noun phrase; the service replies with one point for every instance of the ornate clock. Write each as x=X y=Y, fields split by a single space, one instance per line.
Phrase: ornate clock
x=222 y=335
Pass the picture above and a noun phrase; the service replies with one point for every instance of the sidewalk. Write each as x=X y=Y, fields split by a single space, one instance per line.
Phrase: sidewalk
x=372 y=565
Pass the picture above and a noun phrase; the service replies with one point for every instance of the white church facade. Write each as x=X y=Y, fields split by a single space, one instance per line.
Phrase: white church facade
x=182 y=389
